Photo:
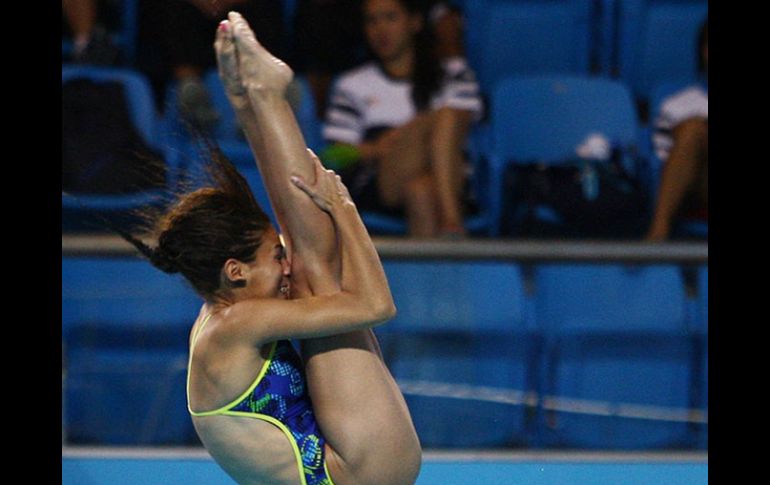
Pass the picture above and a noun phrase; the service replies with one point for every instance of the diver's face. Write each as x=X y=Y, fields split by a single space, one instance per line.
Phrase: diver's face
x=270 y=272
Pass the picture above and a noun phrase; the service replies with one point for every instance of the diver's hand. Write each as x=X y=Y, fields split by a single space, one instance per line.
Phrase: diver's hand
x=328 y=192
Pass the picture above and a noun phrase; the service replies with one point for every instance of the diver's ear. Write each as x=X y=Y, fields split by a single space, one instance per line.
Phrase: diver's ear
x=234 y=273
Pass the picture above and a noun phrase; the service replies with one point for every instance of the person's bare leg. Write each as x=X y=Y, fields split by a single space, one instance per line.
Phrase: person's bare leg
x=450 y=128
x=421 y=207
x=361 y=411
x=81 y=16
x=680 y=174
x=406 y=159
x=358 y=406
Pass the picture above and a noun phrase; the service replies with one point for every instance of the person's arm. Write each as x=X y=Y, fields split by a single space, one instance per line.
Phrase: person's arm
x=363 y=300
x=256 y=83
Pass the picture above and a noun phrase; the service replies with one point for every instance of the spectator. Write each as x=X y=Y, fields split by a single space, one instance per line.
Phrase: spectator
x=402 y=119
x=187 y=45
x=90 y=40
x=447 y=22
x=328 y=39
x=681 y=140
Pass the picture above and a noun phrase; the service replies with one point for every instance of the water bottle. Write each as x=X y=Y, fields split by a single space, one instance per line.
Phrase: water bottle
x=589 y=180
x=594 y=148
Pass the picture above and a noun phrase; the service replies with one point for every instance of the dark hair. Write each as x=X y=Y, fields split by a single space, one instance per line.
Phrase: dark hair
x=203 y=228
x=427 y=73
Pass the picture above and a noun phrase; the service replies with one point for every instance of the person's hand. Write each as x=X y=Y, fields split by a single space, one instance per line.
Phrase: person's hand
x=381 y=146
x=328 y=189
x=258 y=69
x=227 y=65
x=386 y=141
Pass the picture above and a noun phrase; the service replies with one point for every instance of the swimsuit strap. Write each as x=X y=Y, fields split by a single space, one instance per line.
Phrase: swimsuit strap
x=249 y=390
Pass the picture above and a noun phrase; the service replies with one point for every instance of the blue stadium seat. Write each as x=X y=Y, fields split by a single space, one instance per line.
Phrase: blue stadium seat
x=91 y=293
x=119 y=394
x=143 y=114
x=542 y=119
x=702 y=325
x=229 y=137
x=254 y=178
x=384 y=224
x=228 y=130
x=125 y=352
x=466 y=325
x=604 y=33
x=618 y=358
x=505 y=38
x=657 y=42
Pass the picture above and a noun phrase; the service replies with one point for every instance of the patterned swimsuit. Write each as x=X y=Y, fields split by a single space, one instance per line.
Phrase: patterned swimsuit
x=279 y=396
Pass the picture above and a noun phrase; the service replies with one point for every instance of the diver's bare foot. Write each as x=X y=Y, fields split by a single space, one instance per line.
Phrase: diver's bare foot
x=260 y=71
x=227 y=65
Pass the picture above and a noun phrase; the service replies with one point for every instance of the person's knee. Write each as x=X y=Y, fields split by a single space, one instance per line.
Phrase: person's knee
x=420 y=188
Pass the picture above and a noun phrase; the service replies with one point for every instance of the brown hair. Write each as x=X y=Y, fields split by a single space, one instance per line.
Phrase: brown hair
x=203 y=228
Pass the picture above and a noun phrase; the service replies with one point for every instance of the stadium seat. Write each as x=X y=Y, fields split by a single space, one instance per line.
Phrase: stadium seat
x=381 y=224
x=604 y=32
x=702 y=325
x=618 y=358
x=228 y=131
x=542 y=120
x=506 y=38
x=143 y=114
x=119 y=392
x=657 y=42
x=229 y=137
x=124 y=342
x=462 y=342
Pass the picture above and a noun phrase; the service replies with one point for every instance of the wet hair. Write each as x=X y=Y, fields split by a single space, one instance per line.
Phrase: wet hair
x=427 y=73
x=202 y=228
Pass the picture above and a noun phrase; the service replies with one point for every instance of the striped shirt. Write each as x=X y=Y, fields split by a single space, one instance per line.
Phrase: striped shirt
x=366 y=100
x=688 y=103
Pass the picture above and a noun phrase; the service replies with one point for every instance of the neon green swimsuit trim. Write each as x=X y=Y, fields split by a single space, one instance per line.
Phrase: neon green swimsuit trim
x=240 y=398
x=243 y=402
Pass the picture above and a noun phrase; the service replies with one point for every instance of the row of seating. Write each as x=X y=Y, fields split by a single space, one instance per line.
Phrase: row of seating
x=532 y=119
x=489 y=354
x=641 y=42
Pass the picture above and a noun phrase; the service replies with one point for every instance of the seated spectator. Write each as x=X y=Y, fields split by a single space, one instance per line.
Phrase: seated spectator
x=400 y=121
x=187 y=45
x=328 y=40
x=447 y=22
x=90 y=39
x=681 y=141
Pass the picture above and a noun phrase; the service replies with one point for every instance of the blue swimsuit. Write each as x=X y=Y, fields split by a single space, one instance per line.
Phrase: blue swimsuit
x=279 y=396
